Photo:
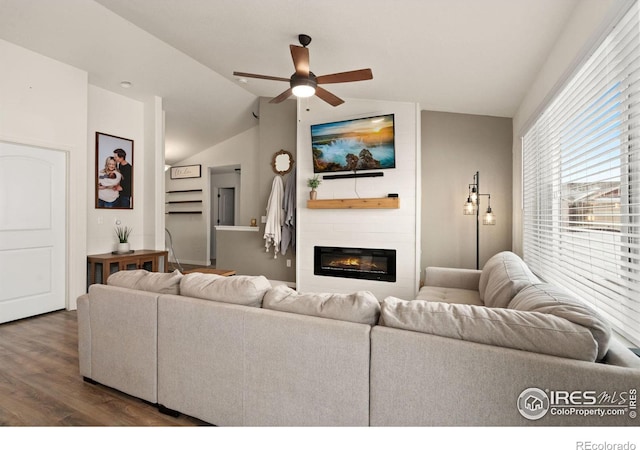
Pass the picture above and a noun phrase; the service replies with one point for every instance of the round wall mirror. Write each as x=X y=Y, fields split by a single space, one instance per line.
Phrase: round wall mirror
x=282 y=162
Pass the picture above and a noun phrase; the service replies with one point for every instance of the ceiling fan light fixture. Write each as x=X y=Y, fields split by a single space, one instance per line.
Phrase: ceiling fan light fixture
x=302 y=86
x=303 y=91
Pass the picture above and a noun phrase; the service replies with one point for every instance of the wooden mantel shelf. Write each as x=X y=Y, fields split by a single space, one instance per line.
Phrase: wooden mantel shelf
x=355 y=203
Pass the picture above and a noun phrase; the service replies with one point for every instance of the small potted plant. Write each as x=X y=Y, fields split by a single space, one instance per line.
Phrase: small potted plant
x=313 y=183
x=123 y=238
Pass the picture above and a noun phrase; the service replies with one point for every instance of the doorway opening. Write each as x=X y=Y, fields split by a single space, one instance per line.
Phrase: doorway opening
x=224 y=197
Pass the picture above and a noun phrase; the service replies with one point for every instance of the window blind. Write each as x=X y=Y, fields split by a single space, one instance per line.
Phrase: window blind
x=581 y=182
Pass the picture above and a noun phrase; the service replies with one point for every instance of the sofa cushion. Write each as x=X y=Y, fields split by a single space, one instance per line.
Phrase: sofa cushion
x=503 y=276
x=548 y=299
x=450 y=277
x=449 y=295
x=142 y=280
x=522 y=330
x=238 y=289
x=359 y=307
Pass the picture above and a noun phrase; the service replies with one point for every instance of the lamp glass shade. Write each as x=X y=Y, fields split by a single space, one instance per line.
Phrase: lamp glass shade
x=474 y=195
x=469 y=209
x=303 y=90
x=489 y=218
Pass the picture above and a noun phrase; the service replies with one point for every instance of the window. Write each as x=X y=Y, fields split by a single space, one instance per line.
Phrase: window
x=581 y=178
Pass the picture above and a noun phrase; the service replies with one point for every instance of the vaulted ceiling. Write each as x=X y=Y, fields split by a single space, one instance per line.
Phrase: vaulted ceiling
x=466 y=56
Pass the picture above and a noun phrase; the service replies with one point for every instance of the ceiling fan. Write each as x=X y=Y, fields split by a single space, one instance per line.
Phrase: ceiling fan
x=304 y=83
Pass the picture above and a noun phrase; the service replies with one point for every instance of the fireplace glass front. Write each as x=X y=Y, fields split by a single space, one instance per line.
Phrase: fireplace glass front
x=362 y=263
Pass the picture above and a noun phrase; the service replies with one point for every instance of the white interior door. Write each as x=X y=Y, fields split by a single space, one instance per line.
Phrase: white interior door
x=32 y=231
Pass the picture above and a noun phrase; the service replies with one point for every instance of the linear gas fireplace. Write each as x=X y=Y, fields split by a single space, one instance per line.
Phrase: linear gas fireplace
x=362 y=263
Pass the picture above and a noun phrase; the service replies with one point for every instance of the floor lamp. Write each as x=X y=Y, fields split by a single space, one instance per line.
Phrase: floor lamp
x=472 y=207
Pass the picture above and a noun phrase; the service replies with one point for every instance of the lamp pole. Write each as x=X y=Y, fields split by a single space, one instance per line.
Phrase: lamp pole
x=472 y=205
x=477 y=183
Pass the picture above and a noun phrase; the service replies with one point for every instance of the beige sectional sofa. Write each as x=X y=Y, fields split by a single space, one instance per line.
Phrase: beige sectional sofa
x=490 y=347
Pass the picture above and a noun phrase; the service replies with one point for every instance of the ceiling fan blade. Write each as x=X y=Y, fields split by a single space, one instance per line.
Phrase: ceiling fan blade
x=262 y=77
x=300 y=57
x=344 y=77
x=328 y=97
x=282 y=97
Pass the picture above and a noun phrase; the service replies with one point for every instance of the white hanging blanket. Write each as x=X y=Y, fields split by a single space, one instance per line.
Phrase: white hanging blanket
x=275 y=217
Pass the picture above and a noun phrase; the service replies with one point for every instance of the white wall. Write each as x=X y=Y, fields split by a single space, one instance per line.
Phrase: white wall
x=50 y=104
x=375 y=228
x=119 y=116
x=590 y=20
x=190 y=231
x=154 y=158
x=44 y=103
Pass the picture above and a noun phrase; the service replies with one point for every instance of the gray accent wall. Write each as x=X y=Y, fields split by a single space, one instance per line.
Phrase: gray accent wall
x=454 y=147
x=245 y=252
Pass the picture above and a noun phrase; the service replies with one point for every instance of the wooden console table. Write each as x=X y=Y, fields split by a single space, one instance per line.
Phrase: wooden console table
x=222 y=272
x=138 y=259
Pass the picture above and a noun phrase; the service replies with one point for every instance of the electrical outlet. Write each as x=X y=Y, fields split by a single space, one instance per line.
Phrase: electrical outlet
x=100 y=220
x=288 y=263
x=263 y=219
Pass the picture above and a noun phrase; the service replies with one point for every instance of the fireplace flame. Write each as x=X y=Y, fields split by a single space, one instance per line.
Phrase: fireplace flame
x=352 y=262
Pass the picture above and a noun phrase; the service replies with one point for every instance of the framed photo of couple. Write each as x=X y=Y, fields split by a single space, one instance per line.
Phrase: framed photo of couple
x=114 y=172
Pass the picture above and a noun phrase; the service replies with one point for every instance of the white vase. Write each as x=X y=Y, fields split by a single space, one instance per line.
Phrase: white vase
x=123 y=247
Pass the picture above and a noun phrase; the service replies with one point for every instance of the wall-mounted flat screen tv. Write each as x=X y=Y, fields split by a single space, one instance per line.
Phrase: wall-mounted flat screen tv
x=352 y=145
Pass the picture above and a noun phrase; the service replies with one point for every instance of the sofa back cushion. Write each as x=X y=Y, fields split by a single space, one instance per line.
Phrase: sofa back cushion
x=239 y=289
x=358 y=307
x=522 y=330
x=503 y=276
x=142 y=280
x=548 y=299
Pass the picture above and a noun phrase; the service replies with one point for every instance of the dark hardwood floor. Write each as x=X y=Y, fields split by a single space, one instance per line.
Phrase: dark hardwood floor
x=40 y=384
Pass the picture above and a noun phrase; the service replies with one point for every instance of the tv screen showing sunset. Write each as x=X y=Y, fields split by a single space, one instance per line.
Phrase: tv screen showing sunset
x=352 y=145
